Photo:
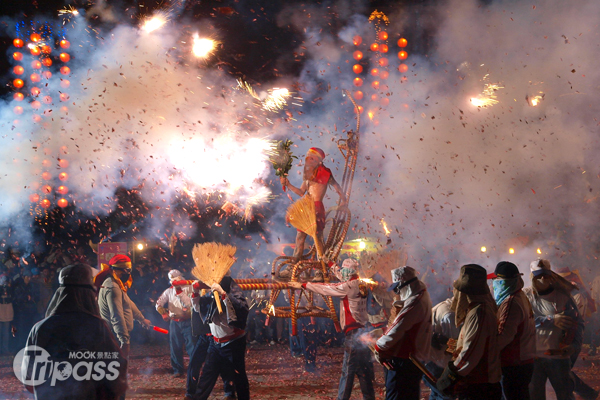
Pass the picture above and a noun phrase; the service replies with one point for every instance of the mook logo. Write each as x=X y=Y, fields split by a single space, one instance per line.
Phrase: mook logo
x=33 y=366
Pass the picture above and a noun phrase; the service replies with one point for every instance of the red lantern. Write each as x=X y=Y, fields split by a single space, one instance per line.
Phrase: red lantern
x=375 y=84
x=18 y=83
x=374 y=72
x=357 y=40
x=34 y=198
x=62 y=190
x=385 y=102
x=360 y=109
x=384 y=74
x=383 y=35
x=47 y=189
x=18 y=96
x=383 y=48
x=62 y=203
x=46 y=176
x=35 y=77
x=18 y=70
x=47 y=74
x=402 y=55
x=65 y=44
x=35 y=91
x=46 y=49
x=357 y=68
x=47 y=62
x=358 y=55
x=35 y=37
x=358 y=95
x=18 y=43
x=34 y=50
x=65 y=57
x=402 y=42
x=374 y=47
x=63 y=163
x=36 y=64
x=403 y=68
x=64 y=97
x=45 y=203
x=63 y=176
x=65 y=70
x=383 y=62
x=358 y=82
x=64 y=83
x=18 y=110
x=17 y=56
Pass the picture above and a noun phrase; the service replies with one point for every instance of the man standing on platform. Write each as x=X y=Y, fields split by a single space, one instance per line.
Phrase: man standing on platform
x=175 y=305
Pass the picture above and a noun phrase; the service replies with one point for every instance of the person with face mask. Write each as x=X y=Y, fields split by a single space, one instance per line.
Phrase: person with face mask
x=516 y=331
x=408 y=335
x=559 y=330
x=175 y=306
x=116 y=308
x=474 y=373
x=353 y=319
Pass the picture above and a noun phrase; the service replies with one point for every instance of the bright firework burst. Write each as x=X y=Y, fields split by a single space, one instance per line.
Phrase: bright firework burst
x=202 y=47
x=69 y=10
x=488 y=97
x=277 y=99
x=154 y=23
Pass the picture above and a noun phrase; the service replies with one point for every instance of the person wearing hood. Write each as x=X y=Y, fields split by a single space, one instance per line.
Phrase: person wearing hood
x=73 y=325
x=559 y=330
x=353 y=319
x=175 y=306
x=117 y=309
x=408 y=335
x=516 y=331
x=475 y=370
x=227 y=353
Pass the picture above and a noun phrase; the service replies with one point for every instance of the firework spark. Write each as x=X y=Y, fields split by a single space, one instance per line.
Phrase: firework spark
x=68 y=10
x=385 y=227
x=488 y=97
x=202 y=47
x=154 y=23
x=277 y=99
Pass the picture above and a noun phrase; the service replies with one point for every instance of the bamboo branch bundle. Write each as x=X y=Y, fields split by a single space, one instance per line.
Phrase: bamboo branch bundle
x=213 y=261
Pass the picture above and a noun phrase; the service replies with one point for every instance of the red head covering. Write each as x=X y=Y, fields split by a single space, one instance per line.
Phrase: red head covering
x=317 y=152
x=120 y=261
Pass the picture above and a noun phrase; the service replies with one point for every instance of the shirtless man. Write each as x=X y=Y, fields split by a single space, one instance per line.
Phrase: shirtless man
x=317 y=178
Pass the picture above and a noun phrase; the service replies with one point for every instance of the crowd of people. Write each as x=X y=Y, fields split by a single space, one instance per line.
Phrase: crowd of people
x=493 y=338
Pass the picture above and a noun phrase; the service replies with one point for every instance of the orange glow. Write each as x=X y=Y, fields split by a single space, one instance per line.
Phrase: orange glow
x=357 y=68
x=357 y=40
x=36 y=104
x=36 y=118
x=34 y=198
x=45 y=203
x=46 y=49
x=47 y=100
x=18 y=83
x=383 y=62
x=64 y=83
x=63 y=176
x=384 y=102
x=18 y=43
x=46 y=176
x=374 y=97
x=35 y=37
x=403 y=68
x=34 y=50
x=383 y=35
x=64 y=97
x=358 y=82
x=18 y=70
x=374 y=47
x=35 y=91
x=375 y=84
x=402 y=55
x=358 y=95
x=47 y=62
x=18 y=110
x=65 y=57
x=65 y=44
x=358 y=55
x=64 y=110
x=374 y=72
x=384 y=75
x=371 y=114
x=62 y=190
x=62 y=203
x=63 y=163
x=47 y=74
x=402 y=42
x=383 y=48
x=18 y=56
x=65 y=70
x=35 y=77
x=18 y=96
x=360 y=109
x=36 y=64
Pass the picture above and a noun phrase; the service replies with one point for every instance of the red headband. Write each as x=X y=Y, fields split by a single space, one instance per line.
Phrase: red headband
x=316 y=151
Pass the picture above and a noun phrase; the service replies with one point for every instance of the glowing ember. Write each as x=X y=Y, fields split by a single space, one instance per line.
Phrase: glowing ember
x=190 y=193
x=154 y=23
x=534 y=100
x=276 y=100
x=202 y=46
x=272 y=309
x=68 y=10
x=488 y=97
x=385 y=227
x=368 y=281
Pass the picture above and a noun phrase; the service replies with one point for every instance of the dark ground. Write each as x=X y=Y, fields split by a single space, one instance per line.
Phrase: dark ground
x=272 y=371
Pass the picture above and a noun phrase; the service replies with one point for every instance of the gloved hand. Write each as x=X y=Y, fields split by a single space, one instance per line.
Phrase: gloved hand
x=125 y=350
x=563 y=322
x=449 y=378
x=165 y=317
